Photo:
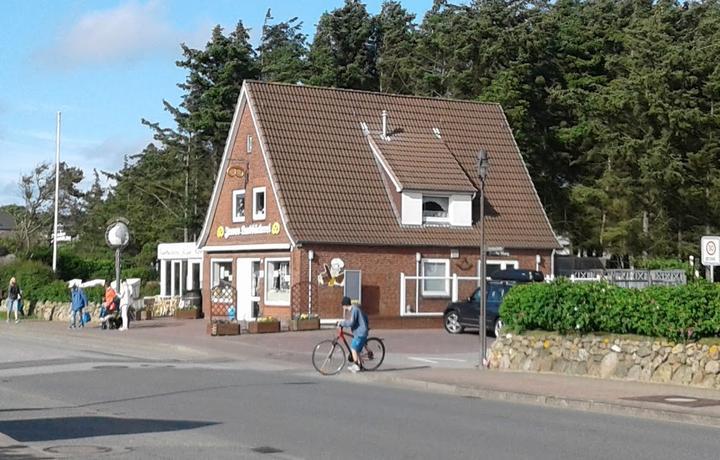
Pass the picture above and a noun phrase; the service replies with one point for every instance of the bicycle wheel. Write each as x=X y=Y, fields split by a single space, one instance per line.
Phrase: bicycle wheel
x=373 y=354
x=328 y=357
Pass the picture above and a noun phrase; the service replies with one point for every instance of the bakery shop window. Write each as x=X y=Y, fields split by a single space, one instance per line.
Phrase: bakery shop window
x=277 y=282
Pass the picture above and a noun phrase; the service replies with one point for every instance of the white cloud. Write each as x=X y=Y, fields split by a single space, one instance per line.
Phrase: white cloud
x=107 y=155
x=132 y=31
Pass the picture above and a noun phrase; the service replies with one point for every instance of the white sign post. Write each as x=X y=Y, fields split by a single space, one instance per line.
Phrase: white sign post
x=710 y=250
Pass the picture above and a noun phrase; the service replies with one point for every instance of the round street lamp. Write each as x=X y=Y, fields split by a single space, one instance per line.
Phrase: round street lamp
x=482 y=166
x=117 y=236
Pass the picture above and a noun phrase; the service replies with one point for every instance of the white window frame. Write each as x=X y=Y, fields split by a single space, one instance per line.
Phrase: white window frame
x=268 y=279
x=503 y=265
x=249 y=143
x=434 y=220
x=446 y=291
x=213 y=280
x=235 y=217
x=256 y=215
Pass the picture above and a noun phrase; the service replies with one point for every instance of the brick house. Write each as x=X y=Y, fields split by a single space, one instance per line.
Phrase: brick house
x=326 y=192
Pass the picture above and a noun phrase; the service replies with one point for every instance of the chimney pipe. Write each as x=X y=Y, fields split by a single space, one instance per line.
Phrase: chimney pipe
x=384 y=123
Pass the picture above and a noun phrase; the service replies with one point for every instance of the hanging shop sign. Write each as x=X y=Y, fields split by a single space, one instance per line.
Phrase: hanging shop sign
x=236 y=171
x=245 y=230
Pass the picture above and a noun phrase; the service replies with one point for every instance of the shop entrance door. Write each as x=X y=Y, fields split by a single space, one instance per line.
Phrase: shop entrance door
x=247 y=278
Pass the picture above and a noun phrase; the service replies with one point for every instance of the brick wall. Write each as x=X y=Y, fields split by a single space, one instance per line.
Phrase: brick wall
x=253 y=164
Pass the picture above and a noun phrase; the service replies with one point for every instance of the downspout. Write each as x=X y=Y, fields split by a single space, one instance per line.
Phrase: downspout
x=552 y=264
x=311 y=256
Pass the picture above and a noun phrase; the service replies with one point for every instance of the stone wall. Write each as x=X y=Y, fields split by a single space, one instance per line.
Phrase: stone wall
x=60 y=311
x=613 y=357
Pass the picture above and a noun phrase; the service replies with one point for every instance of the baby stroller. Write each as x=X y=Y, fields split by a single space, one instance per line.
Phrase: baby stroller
x=114 y=320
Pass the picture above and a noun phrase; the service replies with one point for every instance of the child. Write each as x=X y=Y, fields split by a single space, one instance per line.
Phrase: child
x=359 y=325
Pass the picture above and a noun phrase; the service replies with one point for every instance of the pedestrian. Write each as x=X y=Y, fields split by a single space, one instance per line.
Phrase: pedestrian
x=125 y=299
x=14 y=299
x=78 y=301
x=110 y=305
x=360 y=326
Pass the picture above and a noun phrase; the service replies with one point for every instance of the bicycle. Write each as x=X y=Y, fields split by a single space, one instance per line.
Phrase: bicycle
x=329 y=356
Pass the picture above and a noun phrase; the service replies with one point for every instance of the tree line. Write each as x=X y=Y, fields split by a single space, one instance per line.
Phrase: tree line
x=612 y=103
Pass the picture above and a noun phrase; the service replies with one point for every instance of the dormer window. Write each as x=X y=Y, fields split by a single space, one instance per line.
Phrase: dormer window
x=435 y=209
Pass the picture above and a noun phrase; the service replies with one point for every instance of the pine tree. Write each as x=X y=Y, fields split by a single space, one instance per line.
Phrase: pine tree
x=344 y=51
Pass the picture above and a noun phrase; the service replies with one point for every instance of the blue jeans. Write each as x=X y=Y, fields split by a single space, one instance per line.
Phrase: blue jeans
x=12 y=305
x=73 y=318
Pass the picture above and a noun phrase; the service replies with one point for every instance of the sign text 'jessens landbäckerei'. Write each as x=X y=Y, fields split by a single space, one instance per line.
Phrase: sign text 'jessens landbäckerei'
x=253 y=229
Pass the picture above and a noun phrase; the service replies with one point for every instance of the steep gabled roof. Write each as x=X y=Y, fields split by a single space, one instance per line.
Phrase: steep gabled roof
x=7 y=222
x=318 y=141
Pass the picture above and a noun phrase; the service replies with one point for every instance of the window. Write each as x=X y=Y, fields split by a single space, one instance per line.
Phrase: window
x=436 y=209
x=221 y=273
x=249 y=144
x=436 y=287
x=259 y=203
x=238 y=209
x=277 y=282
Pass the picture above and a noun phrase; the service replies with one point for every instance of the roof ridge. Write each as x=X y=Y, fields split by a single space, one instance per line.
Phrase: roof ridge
x=375 y=93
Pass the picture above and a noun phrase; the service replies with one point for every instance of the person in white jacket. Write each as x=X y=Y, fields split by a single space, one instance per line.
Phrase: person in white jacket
x=125 y=299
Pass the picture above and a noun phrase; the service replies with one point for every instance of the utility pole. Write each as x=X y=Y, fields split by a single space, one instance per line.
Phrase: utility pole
x=57 y=192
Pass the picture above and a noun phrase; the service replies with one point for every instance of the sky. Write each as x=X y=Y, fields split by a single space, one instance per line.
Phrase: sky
x=105 y=65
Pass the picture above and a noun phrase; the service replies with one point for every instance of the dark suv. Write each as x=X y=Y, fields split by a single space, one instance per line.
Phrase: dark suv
x=459 y=315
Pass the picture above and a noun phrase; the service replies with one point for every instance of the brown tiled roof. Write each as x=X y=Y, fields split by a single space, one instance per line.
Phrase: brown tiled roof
x=331 y=187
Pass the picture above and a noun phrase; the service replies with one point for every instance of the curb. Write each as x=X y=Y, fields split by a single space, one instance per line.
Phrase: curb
x=602 y=407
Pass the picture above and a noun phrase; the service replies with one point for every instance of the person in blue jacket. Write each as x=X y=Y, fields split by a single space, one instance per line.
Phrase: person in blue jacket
x=359 y=325
x=78 y=301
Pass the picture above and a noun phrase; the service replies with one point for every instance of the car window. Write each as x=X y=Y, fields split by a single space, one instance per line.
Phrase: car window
x=476 y=296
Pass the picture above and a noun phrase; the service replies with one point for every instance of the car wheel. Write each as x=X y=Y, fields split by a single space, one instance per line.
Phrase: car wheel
x=498 y=327
x=452 y=322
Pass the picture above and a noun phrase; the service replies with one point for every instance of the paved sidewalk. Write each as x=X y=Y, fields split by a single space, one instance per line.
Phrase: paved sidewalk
x=424 y=360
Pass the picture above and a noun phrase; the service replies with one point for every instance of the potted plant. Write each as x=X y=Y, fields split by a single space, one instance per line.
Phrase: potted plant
x=263 y=325
x=223 y=327
x=187 y=312
x=305 y=322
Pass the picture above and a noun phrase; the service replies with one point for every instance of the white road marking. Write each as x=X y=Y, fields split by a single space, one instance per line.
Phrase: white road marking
x=435 y=360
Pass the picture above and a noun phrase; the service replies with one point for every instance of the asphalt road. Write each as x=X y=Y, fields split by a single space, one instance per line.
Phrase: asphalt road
x=72 y=399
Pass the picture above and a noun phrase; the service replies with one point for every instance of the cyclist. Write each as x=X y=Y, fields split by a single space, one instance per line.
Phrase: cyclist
x=359 y=325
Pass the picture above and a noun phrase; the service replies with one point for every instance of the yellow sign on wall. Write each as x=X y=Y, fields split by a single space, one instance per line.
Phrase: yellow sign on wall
x=275 y=228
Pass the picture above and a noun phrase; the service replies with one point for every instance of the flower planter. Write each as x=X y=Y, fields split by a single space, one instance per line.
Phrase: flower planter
x=309 y=324
x=190 y=313
x=262 y=327
x=224 y=328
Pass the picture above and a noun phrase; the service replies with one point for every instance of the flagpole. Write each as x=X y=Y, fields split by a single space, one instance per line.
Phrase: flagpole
x=57 y=191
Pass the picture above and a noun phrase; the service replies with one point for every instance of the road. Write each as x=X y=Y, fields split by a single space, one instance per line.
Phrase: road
x=69 y=396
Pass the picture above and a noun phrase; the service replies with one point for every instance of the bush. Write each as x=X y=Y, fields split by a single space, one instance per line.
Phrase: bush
x=32 y=276
x=57 y=291
x=677 y=313
x=150 y=289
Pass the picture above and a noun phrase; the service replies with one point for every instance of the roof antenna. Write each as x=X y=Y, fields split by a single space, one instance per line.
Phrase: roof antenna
x=384 y=124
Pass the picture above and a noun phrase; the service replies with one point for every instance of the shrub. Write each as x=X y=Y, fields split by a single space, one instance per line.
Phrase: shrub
x=32 y=276
x=150 y=289
x=57 y=291
x=677 y=313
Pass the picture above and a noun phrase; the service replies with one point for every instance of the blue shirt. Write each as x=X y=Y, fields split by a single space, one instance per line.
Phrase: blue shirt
x=78 y=299
x=358 y=322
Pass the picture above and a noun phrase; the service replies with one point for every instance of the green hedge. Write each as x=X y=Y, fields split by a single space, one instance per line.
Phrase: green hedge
x=676 y=313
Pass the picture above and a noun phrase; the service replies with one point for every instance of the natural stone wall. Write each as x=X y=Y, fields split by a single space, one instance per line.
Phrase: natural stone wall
x=614 y=357
x=60 y=311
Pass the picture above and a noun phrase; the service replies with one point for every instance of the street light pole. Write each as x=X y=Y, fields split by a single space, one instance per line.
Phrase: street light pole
x=482 y=164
